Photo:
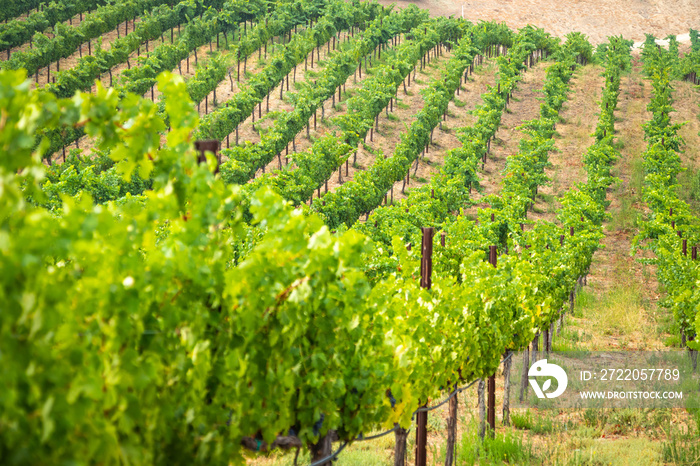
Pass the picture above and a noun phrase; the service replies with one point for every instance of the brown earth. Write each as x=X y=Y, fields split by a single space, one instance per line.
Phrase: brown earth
x=577 y=121
x=598 y=19
x=523 y=106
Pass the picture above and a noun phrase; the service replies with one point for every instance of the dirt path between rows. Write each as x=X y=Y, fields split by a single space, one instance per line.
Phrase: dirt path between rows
x=574 y=134
x=523 y=106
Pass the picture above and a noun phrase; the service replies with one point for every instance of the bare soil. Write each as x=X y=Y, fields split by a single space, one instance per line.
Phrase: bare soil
x=598 y=19
x=524 y=105
x=383 y=141
x=578 y=118
x=687 y=111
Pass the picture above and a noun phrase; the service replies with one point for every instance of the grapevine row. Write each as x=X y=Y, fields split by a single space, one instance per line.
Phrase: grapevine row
x=245 y=161
x=13 y=8
x=434 y=203
x=151 y=27
x=19 y=31
x=167 y=57
x=160 y=20
x=672 y=231
x=151 y=325
x=311 y=168
x=362 y=195
x=222 y=122
x=280 y=22
x=450 y=189
x=110 y=186
x=67 y=38
x=689 y=66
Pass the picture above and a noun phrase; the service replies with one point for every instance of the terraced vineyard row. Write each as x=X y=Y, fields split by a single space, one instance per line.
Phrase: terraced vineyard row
x=672 y=231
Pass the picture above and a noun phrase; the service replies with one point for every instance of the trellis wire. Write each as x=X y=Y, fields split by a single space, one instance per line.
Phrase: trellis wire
x=361 y=438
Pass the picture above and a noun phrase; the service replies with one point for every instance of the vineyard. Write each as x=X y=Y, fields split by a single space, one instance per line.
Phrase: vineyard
x=275 y=232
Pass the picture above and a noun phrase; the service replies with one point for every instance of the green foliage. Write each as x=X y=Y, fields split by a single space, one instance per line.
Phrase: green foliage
x=245 y=160
x=164 y=328
x=138 y=316
x=336 y=16
x=14 y=8
x=694 y=40
x=506 y=448
x=312 y=168
x=536 y=424
x=150 y=326
x=683 y=67
x=681 y=446
x=602 y=55
x=433 y=205
x=368 y=188
x=690 y=181
x=19 y=31
x=98 y=177
x=165 y=57
x=671 y=220
x=66 y=39
x=285 y=17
